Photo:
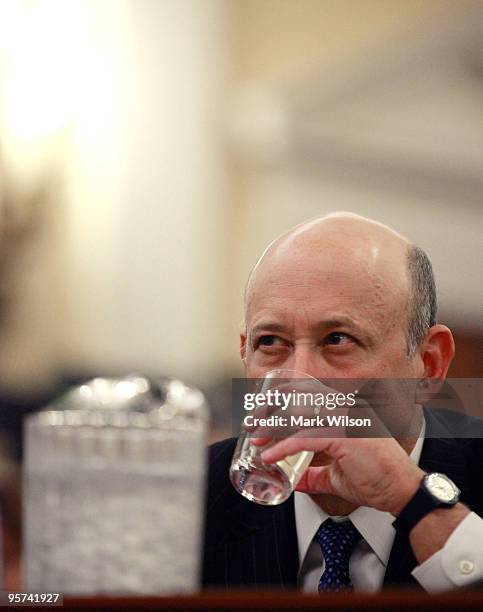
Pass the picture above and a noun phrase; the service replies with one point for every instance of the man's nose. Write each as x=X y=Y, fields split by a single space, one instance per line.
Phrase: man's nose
x=306 y=359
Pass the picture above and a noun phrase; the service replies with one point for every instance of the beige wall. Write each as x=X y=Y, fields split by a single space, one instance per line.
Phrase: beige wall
x=134 y=150
x=276 y=38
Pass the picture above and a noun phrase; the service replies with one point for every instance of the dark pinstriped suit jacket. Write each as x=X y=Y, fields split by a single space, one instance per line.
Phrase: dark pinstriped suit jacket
x=252 y=546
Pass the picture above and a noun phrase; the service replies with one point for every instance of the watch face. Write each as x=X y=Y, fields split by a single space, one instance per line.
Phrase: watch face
x=442 y=488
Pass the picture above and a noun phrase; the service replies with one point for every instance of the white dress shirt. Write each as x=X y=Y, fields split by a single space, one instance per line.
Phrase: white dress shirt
x=458 y=563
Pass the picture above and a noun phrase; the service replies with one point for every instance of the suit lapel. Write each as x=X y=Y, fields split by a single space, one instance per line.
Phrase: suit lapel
x=440 y=453
x=262 y=545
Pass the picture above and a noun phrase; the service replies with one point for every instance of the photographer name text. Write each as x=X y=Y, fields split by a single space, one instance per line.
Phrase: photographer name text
x=331 y=420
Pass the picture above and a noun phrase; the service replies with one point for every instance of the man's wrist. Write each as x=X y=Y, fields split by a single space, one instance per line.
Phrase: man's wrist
x=432 y=532
x=407 y=484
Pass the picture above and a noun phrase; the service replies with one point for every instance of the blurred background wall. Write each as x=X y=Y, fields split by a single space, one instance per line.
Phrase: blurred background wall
x=130 y=161
x=150 y=149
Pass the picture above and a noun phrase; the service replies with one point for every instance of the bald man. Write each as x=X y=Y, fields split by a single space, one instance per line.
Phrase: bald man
x=346 y=297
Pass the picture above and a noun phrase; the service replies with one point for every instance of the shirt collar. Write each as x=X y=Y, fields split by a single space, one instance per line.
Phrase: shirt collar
x=374 y=526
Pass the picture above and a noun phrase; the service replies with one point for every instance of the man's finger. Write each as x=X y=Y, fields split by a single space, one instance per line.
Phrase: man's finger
x=260 y=441
x=295 y=444
x=315 y=480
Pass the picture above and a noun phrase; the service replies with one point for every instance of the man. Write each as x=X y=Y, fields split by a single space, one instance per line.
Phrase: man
x=346 y=297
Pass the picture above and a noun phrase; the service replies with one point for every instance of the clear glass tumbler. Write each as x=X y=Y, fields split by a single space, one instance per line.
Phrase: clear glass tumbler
x=272 y=484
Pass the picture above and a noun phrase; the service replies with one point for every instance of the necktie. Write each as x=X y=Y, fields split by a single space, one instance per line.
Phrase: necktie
x=337 y=541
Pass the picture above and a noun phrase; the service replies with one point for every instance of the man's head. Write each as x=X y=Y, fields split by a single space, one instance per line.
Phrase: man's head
x=344 y=296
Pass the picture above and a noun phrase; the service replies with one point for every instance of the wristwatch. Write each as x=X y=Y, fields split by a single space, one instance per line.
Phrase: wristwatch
x=435 y=491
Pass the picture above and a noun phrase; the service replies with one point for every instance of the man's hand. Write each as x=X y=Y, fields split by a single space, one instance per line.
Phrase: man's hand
x=373 y=472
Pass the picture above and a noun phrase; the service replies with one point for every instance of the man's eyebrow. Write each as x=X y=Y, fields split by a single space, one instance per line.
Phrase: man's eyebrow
x=342 y=321
x=339 y=321
x=273 y=327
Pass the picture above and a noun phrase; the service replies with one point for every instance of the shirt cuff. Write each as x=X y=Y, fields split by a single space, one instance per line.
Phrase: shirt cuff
x=459 y=562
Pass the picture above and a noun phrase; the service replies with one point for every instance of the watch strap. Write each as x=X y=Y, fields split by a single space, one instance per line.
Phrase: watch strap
x=421 y=504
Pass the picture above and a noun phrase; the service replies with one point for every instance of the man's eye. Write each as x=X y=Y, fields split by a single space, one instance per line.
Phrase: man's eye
x=338 y=338
x=267 y=340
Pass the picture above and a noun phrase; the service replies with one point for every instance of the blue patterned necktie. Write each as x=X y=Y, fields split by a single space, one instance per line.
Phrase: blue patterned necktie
x=337 y=541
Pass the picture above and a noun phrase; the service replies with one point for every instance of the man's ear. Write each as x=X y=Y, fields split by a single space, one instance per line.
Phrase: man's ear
x=243 y=344
x=437 y=352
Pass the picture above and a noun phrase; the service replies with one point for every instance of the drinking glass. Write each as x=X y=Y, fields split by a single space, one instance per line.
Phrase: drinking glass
x=272 y=484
